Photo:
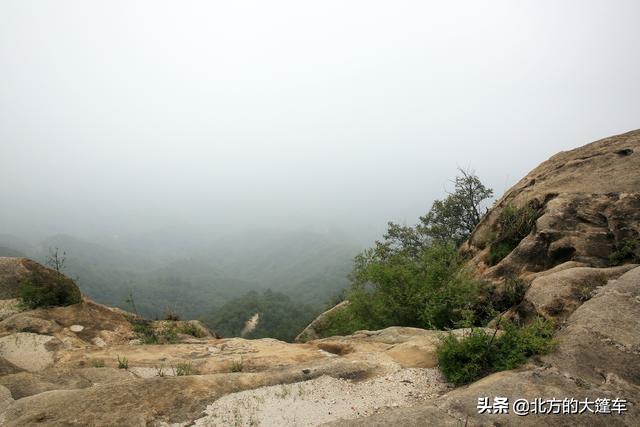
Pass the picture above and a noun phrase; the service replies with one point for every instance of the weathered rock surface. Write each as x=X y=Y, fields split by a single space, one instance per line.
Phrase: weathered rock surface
x=25 y=384
x=408 y=347
x=32 y=352
x=558 y=294
x=142 y=396
x=589 y=204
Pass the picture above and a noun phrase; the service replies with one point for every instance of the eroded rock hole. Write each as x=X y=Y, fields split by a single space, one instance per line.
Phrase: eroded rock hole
x=624 y=152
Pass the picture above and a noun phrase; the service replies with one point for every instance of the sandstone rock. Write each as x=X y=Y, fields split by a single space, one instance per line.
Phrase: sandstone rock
x=29 y=351
x=140 y=402
x=589 y=204
x=9 y=307
x=557 y=295
x=408 y=347
x=93 y=323
x=5 y=398
x=25 y=322
x=313 y=331
x=25 y=384
x=7 y=367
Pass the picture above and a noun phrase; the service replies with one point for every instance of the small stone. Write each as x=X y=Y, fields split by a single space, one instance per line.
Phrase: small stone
x=99 y=342
x=306 y=371
x=76 y=328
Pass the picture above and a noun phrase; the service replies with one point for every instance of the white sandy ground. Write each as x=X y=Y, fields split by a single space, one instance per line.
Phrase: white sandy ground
x=324 y=399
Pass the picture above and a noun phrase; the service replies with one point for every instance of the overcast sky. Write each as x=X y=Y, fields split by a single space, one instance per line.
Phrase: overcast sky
x=125 y=115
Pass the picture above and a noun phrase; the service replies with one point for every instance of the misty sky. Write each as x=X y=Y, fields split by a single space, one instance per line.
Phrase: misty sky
x=126 y=115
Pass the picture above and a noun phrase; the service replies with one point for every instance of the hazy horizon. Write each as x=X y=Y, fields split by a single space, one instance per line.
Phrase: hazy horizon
x=127 y=117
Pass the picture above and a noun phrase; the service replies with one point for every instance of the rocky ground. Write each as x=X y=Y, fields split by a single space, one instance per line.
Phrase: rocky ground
x=324 y=399
x=88 y=364
x=91 y=365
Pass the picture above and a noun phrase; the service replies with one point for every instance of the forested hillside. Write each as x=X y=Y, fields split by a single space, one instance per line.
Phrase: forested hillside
x=205 y=278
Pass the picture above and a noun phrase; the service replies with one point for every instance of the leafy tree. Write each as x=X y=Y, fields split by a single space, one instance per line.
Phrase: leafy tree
x=414 y=276
x=455 y=217
x=431 y=290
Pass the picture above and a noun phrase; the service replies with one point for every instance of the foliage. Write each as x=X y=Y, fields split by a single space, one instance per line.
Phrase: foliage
x=625 y=252
x=185 y=369
x=171 y=314
x=144 y=331
x=512 y=225
x=512 y=294
x=280 y=317
x=454 y=218
x=341 y=322
x=197 y=280
x=49 y=289
x=167 y=335
x=189 y=329
x=414 y=276
x=123 y=363
x=237 y=365
x=98 y=363
x=160 y=371
x=37 y=292
x=430 y=290
x=463 y=360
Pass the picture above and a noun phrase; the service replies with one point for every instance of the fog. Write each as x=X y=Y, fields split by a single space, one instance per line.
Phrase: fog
x=197 y=116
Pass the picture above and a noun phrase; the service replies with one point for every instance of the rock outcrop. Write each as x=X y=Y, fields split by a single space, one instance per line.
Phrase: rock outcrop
x=588 y=206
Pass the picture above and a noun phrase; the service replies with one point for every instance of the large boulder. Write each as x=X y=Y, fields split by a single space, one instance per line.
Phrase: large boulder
x=29 y=351
x=558 y=294
x=587 y=204
x=17 y=272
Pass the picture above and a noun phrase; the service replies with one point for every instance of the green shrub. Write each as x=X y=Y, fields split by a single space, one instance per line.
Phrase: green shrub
x=168 y=335
x=123 y=363
x=160 y=371
x=340 y=322
x=512 y=294
x=463 y=360
x=48 y=292
x=428 y=290
x=625 y=252
x=144 y=331
x=185 y=369
x=189 y=329
x=99 y=363
x=512 y=225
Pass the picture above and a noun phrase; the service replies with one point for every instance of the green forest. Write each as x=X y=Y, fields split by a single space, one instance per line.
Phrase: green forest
x=288 y=277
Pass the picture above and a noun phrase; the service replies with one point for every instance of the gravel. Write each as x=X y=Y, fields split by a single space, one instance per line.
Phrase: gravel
x=324 y=399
